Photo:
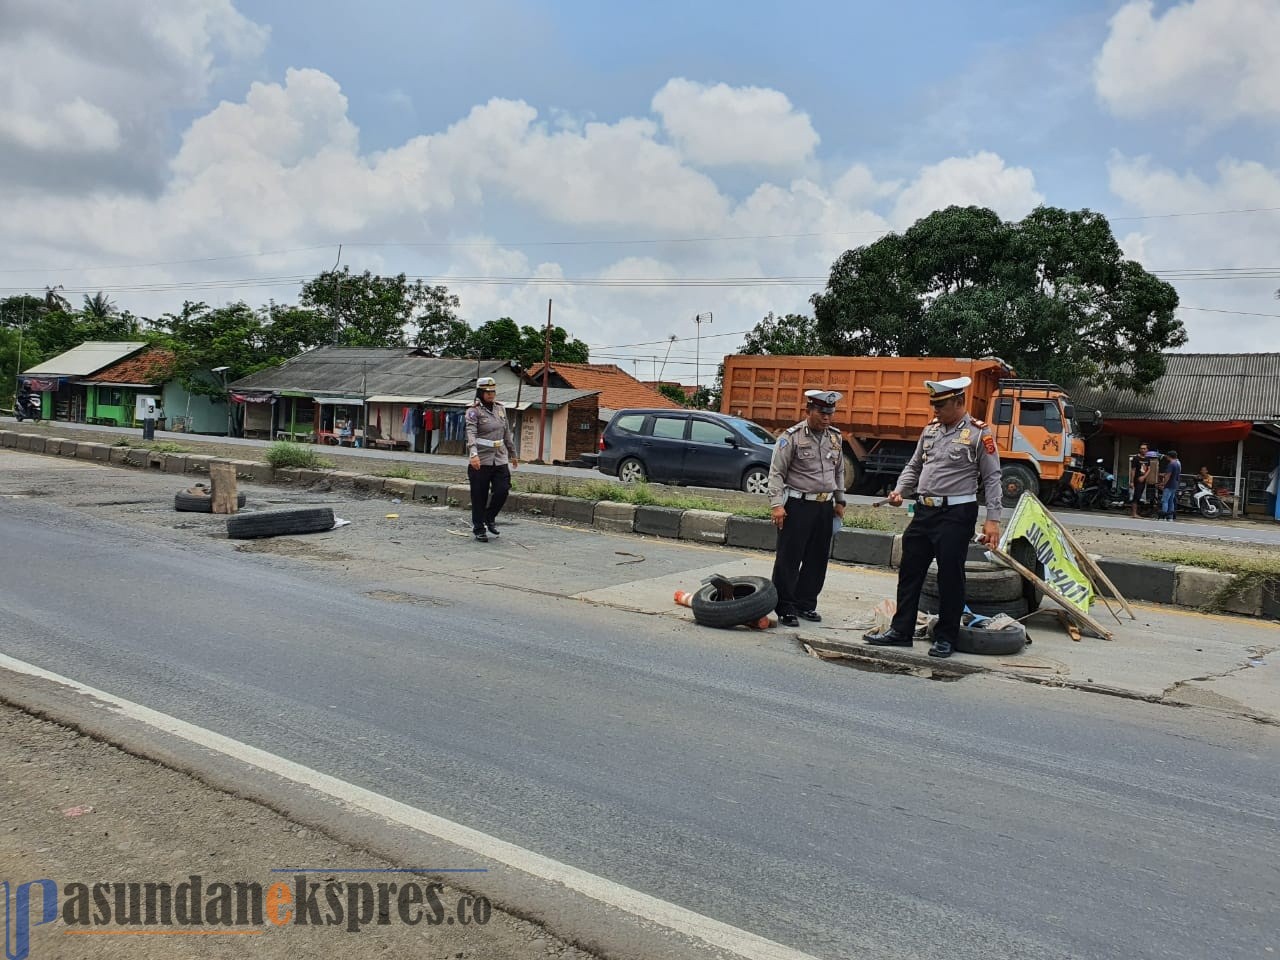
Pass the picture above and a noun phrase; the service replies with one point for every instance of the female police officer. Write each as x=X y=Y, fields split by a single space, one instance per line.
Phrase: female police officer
x=490 y=445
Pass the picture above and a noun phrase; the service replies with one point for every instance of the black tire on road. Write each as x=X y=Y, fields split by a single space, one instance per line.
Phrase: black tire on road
x=984 y=582
x=992 y=643
x=199 y=502
x=1022 y=551
x=753 y=598
x=931 y=603
x=1015 y=480
x=279 y=523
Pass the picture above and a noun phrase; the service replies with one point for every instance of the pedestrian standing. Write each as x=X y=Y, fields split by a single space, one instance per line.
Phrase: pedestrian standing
x=1169 y=481
x=492 y=449
x=1138 y=466
x=954 y=463
x=806 y=495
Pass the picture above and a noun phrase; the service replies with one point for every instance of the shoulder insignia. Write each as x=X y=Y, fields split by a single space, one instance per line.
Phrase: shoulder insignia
x=932 y=422
x=471 y=413
x=782 y=441
x=980 y=424
x=988 y=443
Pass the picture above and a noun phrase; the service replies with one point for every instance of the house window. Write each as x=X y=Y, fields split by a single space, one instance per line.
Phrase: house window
x=110 y=397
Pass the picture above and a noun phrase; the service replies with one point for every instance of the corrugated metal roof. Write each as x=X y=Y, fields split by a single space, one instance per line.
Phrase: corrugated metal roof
x=356 y=371
x=88 y=358
x=1196 y=386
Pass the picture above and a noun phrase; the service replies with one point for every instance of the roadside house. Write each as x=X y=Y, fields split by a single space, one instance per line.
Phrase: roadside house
x=617 y=390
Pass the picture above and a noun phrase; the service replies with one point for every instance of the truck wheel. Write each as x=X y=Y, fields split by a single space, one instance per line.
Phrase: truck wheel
x=992 y=643
x=631 y=470
x=984 y=582
x=1022 y=551
x=753 y=598
x=1015 y=480
x=853 y=474
x=932 y=603
x=756 y=480
x=280 y=523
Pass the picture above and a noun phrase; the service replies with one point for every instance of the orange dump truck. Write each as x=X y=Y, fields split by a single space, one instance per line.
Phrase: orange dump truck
x=886 y=405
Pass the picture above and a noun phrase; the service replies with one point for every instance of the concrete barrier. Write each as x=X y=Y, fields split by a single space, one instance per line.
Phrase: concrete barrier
x=368 y=484
x=431 y=492
x=1195 y=587
x=53 y=446
x=198 y=462
x=8 y=438
x=459 y=495
x=398 y=487
x=118 y=456
x=615 y=516
x=69 y=448
x=573 y=508
x=1141 y=579
x=175 y=463
x=751 y=533
x=133 y=456
x=36 y=442
x=658 y=521
x=254 y=470
x=705 y=526
x=541 y=504
x=870 y=547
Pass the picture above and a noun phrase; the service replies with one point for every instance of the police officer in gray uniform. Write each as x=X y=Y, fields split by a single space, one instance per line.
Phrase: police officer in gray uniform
x=806 y=494
x=491 y=445
x=955 y=460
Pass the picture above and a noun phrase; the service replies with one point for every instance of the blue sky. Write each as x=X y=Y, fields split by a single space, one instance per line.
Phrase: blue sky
x=545 y=143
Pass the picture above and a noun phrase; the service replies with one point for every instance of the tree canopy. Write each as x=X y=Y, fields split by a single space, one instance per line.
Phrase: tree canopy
x=1051 y=294
x=793 y=334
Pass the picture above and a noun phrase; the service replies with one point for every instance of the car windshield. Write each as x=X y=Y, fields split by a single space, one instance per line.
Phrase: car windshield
x=750 y=429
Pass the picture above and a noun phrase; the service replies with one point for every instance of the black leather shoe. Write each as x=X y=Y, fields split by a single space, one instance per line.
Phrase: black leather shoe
x=940 y=649
x=887 y=638
x=789 y=620
x=480 y=536
x=813 y=615
x=493 y=529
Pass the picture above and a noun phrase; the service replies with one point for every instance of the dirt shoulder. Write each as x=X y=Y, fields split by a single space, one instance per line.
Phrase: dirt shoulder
x=148 y=823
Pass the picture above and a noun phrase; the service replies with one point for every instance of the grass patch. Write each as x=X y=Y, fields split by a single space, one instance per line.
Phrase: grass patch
x=166 y=446
x=867 y=521
x=1246 y=573
x=401 y=473
x=295 y=455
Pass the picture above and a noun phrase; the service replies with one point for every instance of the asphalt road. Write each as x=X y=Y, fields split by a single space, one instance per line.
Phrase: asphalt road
x=841 y=813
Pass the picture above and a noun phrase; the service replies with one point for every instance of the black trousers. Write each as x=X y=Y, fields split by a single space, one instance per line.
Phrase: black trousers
x=800 y=560
x=490 y=486
x=941 y=533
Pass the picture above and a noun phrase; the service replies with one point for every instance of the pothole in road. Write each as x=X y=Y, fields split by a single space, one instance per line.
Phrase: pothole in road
x=901 y=668
x=392 y=596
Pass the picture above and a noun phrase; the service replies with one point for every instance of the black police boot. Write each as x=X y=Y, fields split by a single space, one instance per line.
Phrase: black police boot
x=812 y=615
x=940 y=649
x=788 y=620
x=493 y=529
x=887 y=638
x=480 y=535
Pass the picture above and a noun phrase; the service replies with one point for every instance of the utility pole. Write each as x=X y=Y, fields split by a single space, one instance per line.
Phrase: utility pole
x=337 y=297
x=697 y=351
x=546 y=372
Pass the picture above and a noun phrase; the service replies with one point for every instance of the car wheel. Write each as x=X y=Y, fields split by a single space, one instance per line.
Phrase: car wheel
x=756 y=480
x=631 y=470
x=1015 y=480
x=753 y=598
x=984 y=582
x=280 y=523
x=932 y=603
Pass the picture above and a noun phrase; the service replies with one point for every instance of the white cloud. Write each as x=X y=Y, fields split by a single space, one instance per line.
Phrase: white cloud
x=1216 y=58
x=1219 y=243
x=721 y=125
x=82 y=81
x=982 y=179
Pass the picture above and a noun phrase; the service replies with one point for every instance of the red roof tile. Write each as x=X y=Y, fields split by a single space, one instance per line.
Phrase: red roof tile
x=618 y=389
x=153 y=366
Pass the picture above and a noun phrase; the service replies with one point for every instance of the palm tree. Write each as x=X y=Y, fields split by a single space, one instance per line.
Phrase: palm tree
x=98 y=307
x=53 y=300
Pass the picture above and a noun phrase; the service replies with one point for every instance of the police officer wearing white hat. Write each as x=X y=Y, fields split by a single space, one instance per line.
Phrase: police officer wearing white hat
x=954 y=465
x=491 y=446
x=806 y=494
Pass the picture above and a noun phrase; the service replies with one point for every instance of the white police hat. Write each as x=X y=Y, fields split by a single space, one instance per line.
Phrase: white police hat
x=946 y=389
x=824 y=400
x=486 y=383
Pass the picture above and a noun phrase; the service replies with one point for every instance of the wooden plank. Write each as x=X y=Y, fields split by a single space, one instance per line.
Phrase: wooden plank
x=1050 y=591
x=222 y=482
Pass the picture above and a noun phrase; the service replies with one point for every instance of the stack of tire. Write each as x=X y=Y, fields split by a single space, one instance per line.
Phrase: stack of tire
x=992 y=589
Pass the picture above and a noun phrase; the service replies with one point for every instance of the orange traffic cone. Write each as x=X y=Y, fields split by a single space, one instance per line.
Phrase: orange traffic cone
x=684 y=598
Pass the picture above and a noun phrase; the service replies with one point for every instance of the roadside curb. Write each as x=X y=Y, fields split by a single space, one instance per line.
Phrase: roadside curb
x=1139 y=580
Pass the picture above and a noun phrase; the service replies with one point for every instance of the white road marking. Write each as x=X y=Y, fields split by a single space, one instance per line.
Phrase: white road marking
x=716 y=934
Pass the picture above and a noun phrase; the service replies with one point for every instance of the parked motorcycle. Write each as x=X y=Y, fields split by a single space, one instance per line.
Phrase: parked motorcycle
x=27 y=407
x=1202 y=500
x=1098 y=490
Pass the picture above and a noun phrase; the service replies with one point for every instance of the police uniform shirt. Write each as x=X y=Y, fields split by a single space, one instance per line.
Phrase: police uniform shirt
x=806 y=461
x=960 y=460
x=489 y=434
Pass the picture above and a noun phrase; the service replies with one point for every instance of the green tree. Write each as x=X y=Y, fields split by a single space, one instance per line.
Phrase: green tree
x=289 y=330
x=564 y=348
x=202 y=338
x=1051 y=294
x=367 y=310
x=673 y=392
x=497 y=340
x=790 y=335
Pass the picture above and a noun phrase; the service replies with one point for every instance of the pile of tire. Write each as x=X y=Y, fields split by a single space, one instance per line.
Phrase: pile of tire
x=752 y=598
x=991 y=588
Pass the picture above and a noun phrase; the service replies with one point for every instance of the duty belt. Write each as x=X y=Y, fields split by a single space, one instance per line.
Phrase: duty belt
x=927 y=501
x=820 y=497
